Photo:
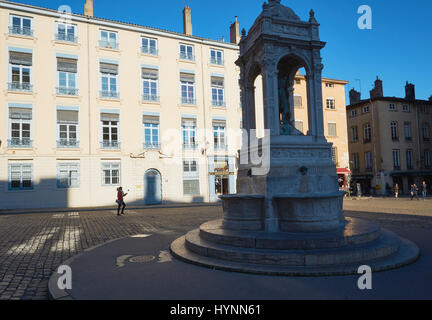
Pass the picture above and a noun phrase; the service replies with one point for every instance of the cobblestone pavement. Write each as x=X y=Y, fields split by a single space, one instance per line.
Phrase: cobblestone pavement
x=34 y=245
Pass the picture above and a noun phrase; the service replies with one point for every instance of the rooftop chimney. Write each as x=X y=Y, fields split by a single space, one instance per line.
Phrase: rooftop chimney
x=187 y=21
x=409 y=91
x=235 y=32
x=354 y=96
x=377 y=91
x=88 y=8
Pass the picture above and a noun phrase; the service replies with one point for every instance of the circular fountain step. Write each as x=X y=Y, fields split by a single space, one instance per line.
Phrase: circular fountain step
x=355 y=232
x=386 y=245
x=408 y=253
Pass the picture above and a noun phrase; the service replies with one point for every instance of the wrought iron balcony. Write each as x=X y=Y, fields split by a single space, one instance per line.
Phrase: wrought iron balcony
x=20 y=86
x=20 y=143
x=67 y=91
x=25 y=31
x=66 y=37
x=110 y=144
x=187 y=56
x=218 y=103
x=220 y=147
x=219 y=62
x=150 y=50
x=191 y=101
x=190 y=146
x=108 y=44
x=150 y=97
x=151 y=146
x=67 y=144
x=110 y=94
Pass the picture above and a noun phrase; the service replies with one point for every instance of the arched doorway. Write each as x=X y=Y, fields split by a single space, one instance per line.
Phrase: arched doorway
x=152 y=187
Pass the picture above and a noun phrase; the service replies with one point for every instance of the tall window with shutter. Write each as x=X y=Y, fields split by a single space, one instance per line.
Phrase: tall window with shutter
x=67 y=76
x=219 y=138
x=20 y=128
x=20 y=67
x=187 y=84
x=110 y=131
x=150 y=79
x=151 y=132
x=109 y=80
x=67 y=128
x=189 y=133
x=217 y=88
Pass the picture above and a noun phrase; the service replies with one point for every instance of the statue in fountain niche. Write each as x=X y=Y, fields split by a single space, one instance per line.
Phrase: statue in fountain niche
x=286 y=126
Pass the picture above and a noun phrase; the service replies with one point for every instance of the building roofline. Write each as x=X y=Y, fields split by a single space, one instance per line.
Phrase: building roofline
x=391 y=99
x=116 y=24
x=325 y=79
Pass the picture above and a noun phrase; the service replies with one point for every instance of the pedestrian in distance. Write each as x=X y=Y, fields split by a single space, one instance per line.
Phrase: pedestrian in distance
x=120 y=201
x=424 y=190
x=396 y=190
x=414 y=191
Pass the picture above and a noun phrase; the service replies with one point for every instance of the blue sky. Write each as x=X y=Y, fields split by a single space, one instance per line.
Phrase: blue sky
x=398 y=48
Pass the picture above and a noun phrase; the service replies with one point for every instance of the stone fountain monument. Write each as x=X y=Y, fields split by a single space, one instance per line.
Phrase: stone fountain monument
x=289 y=220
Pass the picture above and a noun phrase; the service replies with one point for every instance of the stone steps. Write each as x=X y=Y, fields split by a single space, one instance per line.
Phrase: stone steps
x=408 y=253
x=355 y=232
x=386 y=245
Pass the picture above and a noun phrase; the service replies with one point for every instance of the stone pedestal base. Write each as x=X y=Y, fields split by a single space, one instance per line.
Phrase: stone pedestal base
x=357 y=242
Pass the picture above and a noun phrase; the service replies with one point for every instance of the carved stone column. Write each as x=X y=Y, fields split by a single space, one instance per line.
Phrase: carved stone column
x=270 y=92
x=317 y=81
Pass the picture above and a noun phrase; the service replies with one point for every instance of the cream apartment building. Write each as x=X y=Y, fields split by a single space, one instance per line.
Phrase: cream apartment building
x=89 y=104
x=85 y=102
x=389 y=140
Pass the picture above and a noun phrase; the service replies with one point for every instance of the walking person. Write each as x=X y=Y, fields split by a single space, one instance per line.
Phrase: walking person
x=396 y=190
x=414 y=191
x=120 y=202
x=424 y=189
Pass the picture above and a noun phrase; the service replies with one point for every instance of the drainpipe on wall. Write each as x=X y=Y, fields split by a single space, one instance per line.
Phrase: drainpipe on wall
x=205 y=127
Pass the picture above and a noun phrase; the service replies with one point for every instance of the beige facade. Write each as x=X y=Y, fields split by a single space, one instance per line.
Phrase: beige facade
x=38 y=158
x=390 y=141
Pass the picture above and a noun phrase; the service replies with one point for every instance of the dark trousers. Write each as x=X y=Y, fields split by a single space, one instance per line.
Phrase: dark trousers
x=121 y=203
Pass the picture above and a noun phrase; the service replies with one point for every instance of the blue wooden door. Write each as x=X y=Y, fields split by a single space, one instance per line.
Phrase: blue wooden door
x=152 y=187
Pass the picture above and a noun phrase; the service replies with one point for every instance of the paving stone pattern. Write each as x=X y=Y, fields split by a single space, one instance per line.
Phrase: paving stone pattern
x=33 y=245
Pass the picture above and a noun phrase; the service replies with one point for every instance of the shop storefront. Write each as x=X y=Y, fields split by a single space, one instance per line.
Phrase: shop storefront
x=221 y=176
x=343 y=178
